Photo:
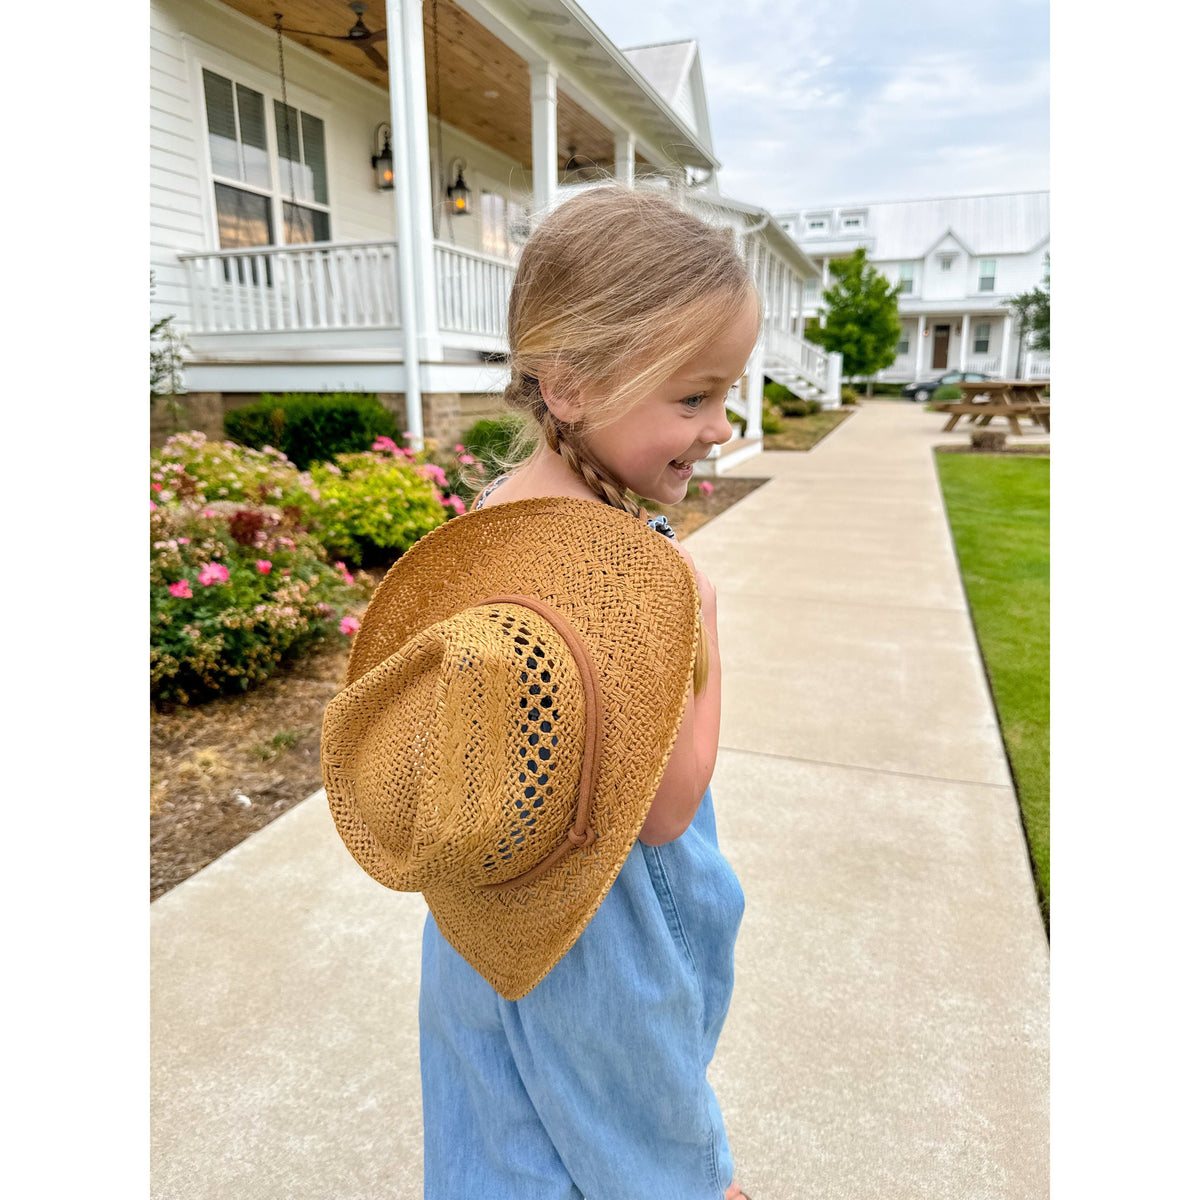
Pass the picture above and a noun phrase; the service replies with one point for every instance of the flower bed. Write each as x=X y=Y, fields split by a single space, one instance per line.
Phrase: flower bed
x=248 y=554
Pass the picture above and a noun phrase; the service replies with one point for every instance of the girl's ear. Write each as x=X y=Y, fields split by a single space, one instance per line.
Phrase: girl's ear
x=559 y=400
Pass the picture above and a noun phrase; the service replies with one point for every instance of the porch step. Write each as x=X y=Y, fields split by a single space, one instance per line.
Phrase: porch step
x=728 y=455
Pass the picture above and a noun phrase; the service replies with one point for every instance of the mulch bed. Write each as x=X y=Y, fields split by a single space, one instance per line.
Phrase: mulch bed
x=222 y=770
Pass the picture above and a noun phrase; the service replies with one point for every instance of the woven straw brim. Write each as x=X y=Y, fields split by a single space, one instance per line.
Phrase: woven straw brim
x=632 y=599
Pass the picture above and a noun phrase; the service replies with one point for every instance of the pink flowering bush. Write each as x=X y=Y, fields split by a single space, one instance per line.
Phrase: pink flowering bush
x=218 y=621
x=375 y=504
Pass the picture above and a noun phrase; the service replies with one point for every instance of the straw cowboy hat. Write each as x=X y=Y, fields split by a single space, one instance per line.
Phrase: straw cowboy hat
x=512 y=699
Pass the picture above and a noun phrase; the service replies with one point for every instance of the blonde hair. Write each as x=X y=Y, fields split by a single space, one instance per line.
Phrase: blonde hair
x=615 y=290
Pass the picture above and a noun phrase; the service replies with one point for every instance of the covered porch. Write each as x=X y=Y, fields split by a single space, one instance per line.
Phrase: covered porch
x=544 y=99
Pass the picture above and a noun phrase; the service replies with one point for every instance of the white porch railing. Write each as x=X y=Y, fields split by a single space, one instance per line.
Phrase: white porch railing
x=472 y=290
x=1035 y=366
x=810 y=362
x=339 y=285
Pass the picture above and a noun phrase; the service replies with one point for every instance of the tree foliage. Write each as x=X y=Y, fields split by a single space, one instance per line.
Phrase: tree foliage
x=862 y=318
x=1032 y=310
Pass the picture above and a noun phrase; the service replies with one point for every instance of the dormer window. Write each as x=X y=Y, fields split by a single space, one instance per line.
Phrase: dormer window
x=946 y=261
x=853 y=222
x=817 y=225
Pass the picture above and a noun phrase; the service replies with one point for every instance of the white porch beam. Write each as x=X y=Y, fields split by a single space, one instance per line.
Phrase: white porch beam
x=543 y=95
x=1004 y=341
x=624 y=156
x=920 y=344
x=962 y=349
x=412 y=198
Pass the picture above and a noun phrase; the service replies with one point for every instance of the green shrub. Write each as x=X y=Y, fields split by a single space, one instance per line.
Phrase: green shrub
x=886 y=389
x=189 y=469
x=234 y=592
x=947 y=392
x=849 y=394
x=492 y=438
x=772 y=418
x=311 y=427
x=369 y=508
x=777 y=393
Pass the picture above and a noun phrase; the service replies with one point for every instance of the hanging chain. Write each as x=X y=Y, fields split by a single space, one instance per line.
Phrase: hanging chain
x=439 y=199
x=287 y=115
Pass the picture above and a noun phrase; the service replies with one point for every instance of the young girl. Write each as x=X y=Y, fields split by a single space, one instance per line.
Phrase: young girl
x=629 y=322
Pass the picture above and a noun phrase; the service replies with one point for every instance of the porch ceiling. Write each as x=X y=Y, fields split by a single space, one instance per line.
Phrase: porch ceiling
x=472 y=61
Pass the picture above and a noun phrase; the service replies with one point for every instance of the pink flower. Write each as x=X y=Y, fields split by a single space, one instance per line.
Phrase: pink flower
x=456 y=503
x=434 y=472
x=466 y=459
x=407 y=453
x=349 y=625
x=385 y=443
x=705 y=487
x=264 y=566
x=212 y=573
x=157 y=487
x=181 y=589
x=208 y=512
x=341 y=566
x=286 y=571
x=460 y=447
x=408 y=433
x=184 y=541
x=153 y=506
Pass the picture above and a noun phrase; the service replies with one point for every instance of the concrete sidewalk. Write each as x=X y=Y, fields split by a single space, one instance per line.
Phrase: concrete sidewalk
x=889 y=1031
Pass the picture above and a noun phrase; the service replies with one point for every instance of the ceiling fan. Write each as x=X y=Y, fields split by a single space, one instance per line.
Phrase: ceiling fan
x=360 y=35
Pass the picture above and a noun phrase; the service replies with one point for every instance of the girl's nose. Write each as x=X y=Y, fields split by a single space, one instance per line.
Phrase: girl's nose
x=720 y=430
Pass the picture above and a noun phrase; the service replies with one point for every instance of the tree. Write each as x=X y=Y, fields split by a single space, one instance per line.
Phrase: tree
x=1032 y=310
x=862 y=317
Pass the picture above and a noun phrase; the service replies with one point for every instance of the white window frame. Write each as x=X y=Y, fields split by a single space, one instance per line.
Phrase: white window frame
x=990 y=275
x=902 y=346
x=910 y=278
x=975 y=339
x=946 y=259
x=201 y=56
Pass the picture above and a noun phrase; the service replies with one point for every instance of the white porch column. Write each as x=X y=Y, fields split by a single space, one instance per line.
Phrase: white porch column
x=966 y=334
x=413 y=203
x=920 y=343
x=624 y=157
x=754 y=389
x=824 y=288
x=1004 y=341
x=543 y=94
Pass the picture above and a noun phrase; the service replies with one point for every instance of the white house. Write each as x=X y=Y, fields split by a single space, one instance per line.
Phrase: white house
x=958 y=260
x=291 y=263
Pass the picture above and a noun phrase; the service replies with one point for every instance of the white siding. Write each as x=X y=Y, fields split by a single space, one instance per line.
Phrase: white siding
x=186 y=36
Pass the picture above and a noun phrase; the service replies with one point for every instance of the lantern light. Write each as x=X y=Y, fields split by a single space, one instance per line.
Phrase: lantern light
x=383 y=163
x=458 y=192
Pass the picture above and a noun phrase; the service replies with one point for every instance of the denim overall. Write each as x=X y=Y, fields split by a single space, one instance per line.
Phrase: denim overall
x=594 y=1084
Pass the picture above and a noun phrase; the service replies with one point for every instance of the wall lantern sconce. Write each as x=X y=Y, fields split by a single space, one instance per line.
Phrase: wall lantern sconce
x=458 y=192
x=958 y=327
x=382 y=162
x=926 y=333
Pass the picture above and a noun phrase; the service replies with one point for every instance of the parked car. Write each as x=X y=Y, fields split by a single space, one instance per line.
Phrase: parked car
x=925 y=388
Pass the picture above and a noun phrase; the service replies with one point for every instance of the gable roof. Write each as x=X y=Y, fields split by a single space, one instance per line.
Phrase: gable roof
x=1007 y=223
x=673 y=70
x=941 y=237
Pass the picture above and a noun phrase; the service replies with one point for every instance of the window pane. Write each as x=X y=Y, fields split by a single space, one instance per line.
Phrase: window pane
x=243 y=219
x=314 y=156
x=222 y=125
x=983 y=336
x=287 y=138
x=253 y=125
x=491 y=216
x=304 y=224
x=906 y=270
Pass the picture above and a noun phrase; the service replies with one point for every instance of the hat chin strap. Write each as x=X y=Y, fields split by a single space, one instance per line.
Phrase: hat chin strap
x=581 y=833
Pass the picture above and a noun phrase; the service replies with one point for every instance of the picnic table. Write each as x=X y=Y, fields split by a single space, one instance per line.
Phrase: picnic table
x=1009 y=398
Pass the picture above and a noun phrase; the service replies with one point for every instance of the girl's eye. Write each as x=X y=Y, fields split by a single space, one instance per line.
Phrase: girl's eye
x=690 y=399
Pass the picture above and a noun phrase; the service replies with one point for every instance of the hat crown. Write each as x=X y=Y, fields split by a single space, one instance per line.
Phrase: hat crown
x=463 y=750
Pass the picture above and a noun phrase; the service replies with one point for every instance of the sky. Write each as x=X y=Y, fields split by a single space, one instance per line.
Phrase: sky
x=852 y=101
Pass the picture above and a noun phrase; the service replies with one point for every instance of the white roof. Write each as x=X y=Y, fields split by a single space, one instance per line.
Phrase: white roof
x=664 y=65
x=1009 y=223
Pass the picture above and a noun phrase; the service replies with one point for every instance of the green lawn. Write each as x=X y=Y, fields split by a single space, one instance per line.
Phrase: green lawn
x=999 y=509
